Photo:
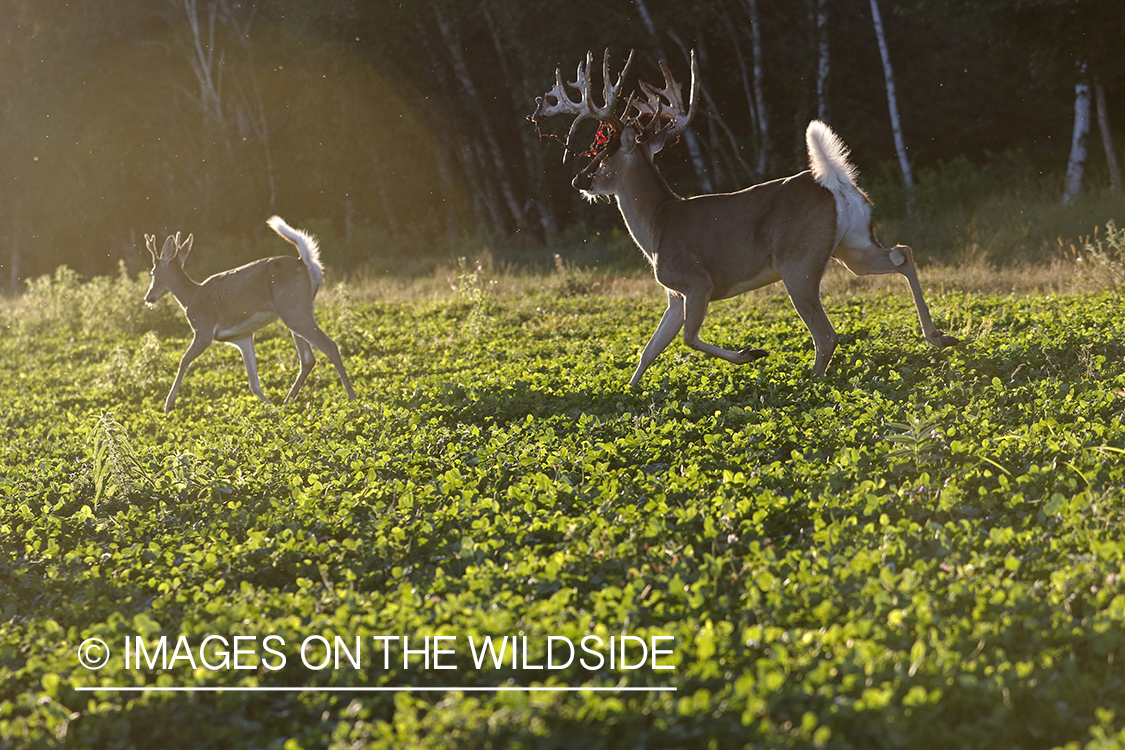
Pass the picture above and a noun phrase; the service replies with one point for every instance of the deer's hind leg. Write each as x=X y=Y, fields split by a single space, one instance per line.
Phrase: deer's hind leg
x=307 y=359
x=805 y=296
x=801 y=267
x=875 y=259
x=302 y=323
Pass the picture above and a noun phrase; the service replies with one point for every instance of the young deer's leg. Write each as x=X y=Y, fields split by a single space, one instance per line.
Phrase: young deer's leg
x=304 y=325
x=246 y=346
x=198 y=345
x=308 y=362
x=667 y=329
x=874 y=259
x=695 y=310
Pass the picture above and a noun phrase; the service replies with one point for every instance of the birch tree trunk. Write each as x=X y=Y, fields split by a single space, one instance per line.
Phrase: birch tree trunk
x=747 y=87
x=532 y=154
x=689 y=136
x=456 y=157
x=765 y=147
x=716 y=122
x=461 y=70
x=227 y=119
x=253 y=108
x=1076 y=164
x=823 y=63
x=14 y=248
x=892 y=106
x=1107 y=138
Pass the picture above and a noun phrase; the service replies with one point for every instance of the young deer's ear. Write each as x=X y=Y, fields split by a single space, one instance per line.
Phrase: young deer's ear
x=183 y=250
x=169 y=250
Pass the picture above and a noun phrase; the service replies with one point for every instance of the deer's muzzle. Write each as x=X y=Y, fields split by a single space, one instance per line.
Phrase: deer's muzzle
x=584 y=180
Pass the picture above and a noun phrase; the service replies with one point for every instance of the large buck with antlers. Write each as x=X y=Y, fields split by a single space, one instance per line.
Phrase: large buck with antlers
x=713 y=247
x=230 y=306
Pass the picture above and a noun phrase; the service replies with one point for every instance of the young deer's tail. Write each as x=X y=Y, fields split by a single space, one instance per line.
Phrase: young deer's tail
x=828 y=158
x=306 y=246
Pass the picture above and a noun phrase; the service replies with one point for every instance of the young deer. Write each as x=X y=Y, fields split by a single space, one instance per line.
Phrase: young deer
x=232 y=305
x=713 y=247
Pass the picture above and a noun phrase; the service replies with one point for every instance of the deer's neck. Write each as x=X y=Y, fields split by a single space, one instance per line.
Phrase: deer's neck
x=642 y=196
x=182 y=287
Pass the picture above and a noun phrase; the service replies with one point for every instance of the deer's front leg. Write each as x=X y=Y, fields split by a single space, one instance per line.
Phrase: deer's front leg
x=246 y=346
x=669 y=326
x=695 y=310
x=198 y=345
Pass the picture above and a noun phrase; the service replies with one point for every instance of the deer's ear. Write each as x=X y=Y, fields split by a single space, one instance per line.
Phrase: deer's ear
x=169 y=250
x=628 y=138
x=183 y=250
x=657 y=142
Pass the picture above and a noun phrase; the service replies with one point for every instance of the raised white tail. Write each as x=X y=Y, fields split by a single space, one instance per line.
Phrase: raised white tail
x=713 y=247
x=306 y=246
x=828 y=161
x=828 y=158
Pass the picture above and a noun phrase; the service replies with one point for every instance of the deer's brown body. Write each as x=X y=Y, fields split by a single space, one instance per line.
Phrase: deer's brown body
x=713 y=247
x=231 y=306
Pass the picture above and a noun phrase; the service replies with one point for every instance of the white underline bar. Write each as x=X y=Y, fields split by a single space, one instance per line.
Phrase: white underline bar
x=504 y=689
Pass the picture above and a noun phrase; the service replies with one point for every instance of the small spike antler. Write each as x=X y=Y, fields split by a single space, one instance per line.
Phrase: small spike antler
x=584 y=107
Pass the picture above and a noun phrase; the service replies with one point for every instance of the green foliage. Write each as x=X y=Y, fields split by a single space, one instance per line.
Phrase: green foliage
x=63 y=303
x=115 y=467
x=923 y=548
x=472 y=288
x=1003 y=211
x=1107 y=252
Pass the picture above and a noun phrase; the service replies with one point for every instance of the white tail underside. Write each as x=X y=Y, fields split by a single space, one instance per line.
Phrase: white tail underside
x=828 y=160
x=306 y=246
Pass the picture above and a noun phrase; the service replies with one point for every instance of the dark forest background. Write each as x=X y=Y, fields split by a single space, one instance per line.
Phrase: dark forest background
x=397 y=130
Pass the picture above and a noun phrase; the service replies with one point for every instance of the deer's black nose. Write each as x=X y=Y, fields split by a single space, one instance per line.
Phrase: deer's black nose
x=583 y=181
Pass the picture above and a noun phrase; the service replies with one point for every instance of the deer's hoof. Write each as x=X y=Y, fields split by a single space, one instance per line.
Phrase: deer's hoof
x=749 y=355
x=940 y=340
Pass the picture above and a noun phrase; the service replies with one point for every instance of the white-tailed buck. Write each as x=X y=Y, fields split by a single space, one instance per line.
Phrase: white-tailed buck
x=232 y=305
x=713 y=247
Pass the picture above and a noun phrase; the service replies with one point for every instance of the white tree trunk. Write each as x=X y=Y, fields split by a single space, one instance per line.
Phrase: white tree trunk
x=892 y=106
x=765 y=147
x=1107 y=138
x=689 y=135
x=532 y=156
x=822 y=60
x=1076 y=165
x=461 y=70
x=747 y=87
x=14 y=247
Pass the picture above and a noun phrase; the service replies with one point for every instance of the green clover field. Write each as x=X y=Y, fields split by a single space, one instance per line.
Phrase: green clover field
x=922 y=549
